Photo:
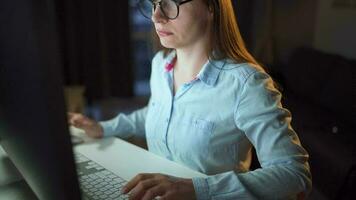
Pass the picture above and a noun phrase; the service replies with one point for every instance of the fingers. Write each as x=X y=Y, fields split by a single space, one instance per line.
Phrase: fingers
x=149 y=185
x=71 y=113
x=70 y=116
x=90 y=126
x=144 y=187
x=133 y=182
x=153 y=192
x=78 y=120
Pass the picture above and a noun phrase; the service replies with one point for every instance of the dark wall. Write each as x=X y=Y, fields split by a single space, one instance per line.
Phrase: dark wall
x=244 y=15
x=336 y=27
x=95 y=42
x=293 y=26
x=274 y=28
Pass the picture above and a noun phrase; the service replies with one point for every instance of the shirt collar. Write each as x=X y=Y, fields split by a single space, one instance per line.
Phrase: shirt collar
x=170 y=61
x=208 y=74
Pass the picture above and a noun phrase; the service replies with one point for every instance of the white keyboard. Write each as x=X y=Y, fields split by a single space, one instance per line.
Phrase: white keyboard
x=96 y=182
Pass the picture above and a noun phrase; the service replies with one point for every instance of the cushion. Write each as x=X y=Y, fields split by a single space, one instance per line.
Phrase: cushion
x=325 y=79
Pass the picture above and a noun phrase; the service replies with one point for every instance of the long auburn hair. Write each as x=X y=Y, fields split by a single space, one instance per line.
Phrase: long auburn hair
x=226 y=40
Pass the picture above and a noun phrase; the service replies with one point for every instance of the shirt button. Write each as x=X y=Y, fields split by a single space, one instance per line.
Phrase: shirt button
x=167 y=120
x=335 y=129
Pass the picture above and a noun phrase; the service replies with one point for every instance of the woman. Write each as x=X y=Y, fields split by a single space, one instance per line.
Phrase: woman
x=210 y=104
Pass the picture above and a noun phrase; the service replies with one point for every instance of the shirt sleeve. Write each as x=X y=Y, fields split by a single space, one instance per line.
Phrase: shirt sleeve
x=125 y=126
x=284 y=171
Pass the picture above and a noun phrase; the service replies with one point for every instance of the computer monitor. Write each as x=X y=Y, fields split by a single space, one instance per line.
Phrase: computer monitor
x=33 y=128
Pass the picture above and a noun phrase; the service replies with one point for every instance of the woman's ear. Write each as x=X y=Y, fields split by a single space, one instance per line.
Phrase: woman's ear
x=211 y=15
x=211 y=9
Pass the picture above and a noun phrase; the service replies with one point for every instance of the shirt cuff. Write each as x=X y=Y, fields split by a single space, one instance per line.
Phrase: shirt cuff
x=108 y=129
x=201 y=188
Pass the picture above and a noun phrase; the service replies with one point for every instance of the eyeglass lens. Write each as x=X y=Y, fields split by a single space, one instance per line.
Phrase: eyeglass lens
x=169 y=8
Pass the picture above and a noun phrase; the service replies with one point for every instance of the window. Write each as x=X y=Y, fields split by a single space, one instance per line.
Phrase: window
x=142 y=49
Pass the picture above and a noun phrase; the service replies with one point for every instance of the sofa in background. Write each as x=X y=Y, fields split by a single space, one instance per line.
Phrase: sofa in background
x=319 y=89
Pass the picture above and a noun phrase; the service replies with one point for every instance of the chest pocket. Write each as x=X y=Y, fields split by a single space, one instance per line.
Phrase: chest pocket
x=152 y=118
x=194 y=135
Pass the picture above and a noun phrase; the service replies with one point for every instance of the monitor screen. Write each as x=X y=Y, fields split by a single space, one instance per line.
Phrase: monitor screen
x=33 y=128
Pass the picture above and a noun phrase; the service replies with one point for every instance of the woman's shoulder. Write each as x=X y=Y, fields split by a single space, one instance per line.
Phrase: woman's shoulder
x=243 y=71
x=250 y=78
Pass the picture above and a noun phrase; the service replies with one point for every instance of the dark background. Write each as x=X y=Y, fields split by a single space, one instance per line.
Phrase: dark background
x=307 y=46
x=106 y=44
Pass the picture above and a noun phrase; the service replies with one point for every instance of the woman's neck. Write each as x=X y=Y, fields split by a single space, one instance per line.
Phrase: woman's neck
x=191 y=60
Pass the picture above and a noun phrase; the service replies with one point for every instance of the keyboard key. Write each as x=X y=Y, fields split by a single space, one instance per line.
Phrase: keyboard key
x=97 y=182
x=115 y=195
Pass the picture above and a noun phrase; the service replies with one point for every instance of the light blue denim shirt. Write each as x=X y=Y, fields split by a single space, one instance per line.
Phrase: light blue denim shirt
x=212 y=123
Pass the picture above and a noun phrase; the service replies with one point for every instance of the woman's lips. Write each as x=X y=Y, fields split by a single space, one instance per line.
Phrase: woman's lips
x=162 y=33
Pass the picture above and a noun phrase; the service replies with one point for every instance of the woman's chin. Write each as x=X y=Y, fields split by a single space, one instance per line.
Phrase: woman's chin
x=168 y=44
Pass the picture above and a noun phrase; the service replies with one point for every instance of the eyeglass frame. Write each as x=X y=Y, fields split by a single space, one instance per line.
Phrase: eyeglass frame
x=161 y=9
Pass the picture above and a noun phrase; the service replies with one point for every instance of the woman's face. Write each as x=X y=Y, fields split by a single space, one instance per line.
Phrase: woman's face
x=191 y=26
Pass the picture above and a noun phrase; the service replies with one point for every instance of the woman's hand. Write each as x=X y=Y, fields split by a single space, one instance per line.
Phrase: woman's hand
x=149 y=186
x=90 y=126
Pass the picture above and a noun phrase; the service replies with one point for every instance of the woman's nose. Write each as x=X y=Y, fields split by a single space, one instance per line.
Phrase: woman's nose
x=157 y=15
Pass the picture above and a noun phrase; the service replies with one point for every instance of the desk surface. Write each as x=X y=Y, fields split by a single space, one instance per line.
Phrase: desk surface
x=127 y=160
x=118 y=156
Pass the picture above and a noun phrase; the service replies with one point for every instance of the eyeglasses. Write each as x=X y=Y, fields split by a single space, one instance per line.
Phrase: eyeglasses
x=169 y=8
